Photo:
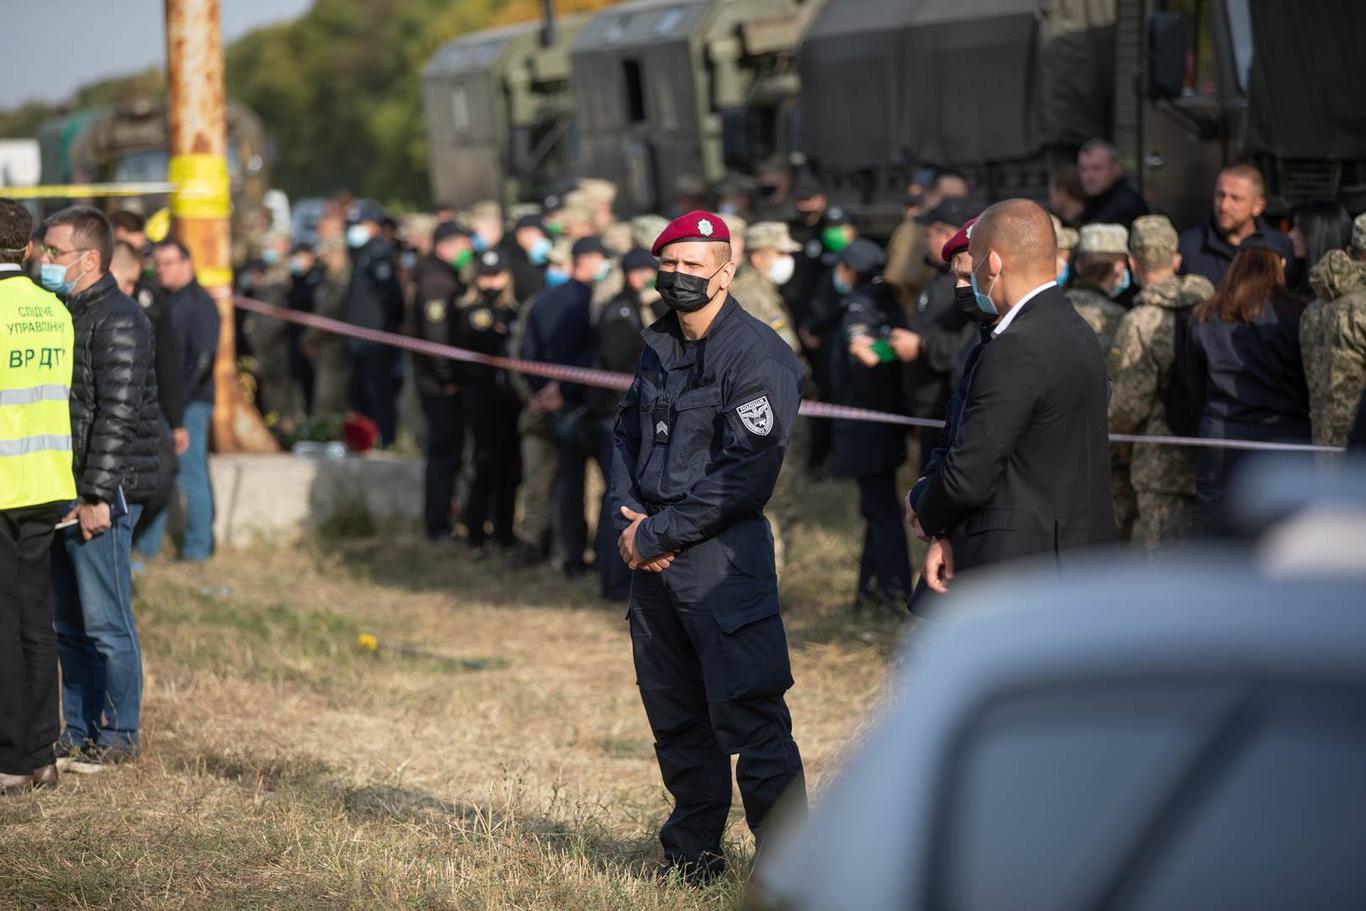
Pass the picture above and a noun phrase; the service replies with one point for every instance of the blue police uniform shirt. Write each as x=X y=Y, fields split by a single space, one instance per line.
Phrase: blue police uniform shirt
x=701 y=433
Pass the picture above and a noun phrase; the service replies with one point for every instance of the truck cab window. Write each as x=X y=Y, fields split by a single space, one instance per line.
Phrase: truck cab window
x=635 y=91
x=1201 y=74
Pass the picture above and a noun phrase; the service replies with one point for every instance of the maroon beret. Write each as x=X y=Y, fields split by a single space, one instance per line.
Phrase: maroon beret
x=696 y=225
x=958 y=242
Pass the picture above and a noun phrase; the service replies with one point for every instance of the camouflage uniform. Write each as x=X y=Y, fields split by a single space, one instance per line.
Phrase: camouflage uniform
x=1101 y=313
x=269 y=340
x=1333 y=346
x=331 y=390
x=755 y=291
x=1162 y=477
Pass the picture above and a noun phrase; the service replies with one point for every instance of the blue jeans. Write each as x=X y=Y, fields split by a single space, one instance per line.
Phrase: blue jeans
x=193 y=481
x=97 y=639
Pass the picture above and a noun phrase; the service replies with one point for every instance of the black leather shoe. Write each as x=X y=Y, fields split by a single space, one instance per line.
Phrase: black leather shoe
x=701 y=872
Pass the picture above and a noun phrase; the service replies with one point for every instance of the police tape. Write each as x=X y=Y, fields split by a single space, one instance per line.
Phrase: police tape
x=88 y=190
x=607 y=379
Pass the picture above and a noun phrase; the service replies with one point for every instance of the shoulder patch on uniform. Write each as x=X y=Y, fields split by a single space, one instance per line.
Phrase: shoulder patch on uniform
x=481 y=319
x=757 y=416
x=145 y=297
x=813 y=249
x=435 y=310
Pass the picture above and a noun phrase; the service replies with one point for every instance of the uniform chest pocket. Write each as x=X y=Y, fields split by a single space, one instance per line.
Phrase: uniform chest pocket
x=695 y=423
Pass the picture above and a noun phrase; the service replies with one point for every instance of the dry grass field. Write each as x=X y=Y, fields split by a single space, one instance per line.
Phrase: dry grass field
x=493 y=754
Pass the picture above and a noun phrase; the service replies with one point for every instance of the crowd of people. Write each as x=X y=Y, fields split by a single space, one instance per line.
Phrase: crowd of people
x=1229 y=329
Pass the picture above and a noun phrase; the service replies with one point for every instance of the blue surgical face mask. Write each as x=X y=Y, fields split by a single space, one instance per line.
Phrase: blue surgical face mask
x=357 y=236
x=984 y=299
x=842 y=287
x=555 y=276
x=480 y=245
x=603 y=271
x=1065 y=274
x=52 y=276
x=540 y=251
x=1123 y=285
x=270 y=257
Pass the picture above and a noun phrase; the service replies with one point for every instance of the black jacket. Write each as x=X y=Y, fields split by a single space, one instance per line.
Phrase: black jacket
x=1251 y=373
x=485 y=325
x=1119 y=205
x=154 y=302
x=945 y=334
x=1204 y=251
x=1023 y=467
x=559 y=330
x=374 y=298
x=620 y=342
x=436 y=290
x=115 y=415
x=865 y=448
x=195 y=321
x=527 y=277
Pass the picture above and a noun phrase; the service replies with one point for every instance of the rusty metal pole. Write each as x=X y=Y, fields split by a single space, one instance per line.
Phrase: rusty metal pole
x=201 y=203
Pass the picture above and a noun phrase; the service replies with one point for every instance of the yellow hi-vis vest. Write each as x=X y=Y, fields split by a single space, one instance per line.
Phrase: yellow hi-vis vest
x=35 y=395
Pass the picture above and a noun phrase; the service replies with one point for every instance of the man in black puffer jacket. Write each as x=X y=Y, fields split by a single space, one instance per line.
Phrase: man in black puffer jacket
x=115 y=433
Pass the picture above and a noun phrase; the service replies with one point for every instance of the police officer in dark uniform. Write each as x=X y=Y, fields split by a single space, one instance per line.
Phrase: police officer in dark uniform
x=528 y=250
x=620 y=342
x=308 y=274
x=700 y=439
x=374 y=300
x=437 y=287
x=943 y=333
x=864 y=373
x=485 y=320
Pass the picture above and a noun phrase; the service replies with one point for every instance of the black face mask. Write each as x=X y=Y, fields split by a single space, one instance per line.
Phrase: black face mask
x=966 y=303
x=683 y=292
x=490 y=295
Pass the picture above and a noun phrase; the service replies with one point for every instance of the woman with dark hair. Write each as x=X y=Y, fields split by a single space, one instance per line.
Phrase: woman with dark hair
x=1317 y=227
x=1246 y=367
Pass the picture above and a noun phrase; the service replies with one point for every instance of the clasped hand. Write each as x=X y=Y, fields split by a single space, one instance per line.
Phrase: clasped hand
x=630 y=553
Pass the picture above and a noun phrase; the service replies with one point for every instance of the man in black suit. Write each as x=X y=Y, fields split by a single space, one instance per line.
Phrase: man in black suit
x=1022 y=467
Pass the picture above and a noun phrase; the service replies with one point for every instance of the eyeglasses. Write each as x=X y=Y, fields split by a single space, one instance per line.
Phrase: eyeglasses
x=53 y=252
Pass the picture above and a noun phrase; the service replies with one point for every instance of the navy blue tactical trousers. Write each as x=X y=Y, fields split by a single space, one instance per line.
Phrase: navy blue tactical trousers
x=712 y=679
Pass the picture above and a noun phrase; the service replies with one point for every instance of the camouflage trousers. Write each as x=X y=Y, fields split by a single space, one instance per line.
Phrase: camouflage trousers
x=1164 y=518
x=1126 y=507
x=539 y=460
x=332 y=389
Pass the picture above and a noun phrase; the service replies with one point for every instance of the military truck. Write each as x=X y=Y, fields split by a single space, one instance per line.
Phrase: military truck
x=1006 y=90
x=499 y=113
x=129 y=143
x=668 y=88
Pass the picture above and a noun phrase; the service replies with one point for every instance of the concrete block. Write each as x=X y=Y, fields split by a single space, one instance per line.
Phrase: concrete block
x=289 y=495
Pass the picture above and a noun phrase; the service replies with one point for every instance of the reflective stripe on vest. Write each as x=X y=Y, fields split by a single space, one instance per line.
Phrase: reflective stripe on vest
x=50 y=392
x=36 y=353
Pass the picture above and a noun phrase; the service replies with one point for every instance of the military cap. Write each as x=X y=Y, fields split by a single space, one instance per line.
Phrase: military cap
x=492 y=261
x=1153 y=239
x=529 y=221
x=863 y=256
x=586 y=245
x=552 y=203
x=696 y=225
x=597 y=190
x=1103 y=238
x=448 y=229
x=958 y=242
x=953 y=211
x=1067 y=237
x=771 y=235
x=735 y=224
x=1359 y=232
x=807 y=185
x=645 y=228
x=838 y=216
x=638 y=258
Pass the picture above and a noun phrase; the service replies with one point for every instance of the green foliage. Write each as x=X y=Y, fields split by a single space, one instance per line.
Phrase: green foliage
x=339 y=92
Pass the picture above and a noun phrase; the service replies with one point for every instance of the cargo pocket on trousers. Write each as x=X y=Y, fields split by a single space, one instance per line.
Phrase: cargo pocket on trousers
x=754 y=651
